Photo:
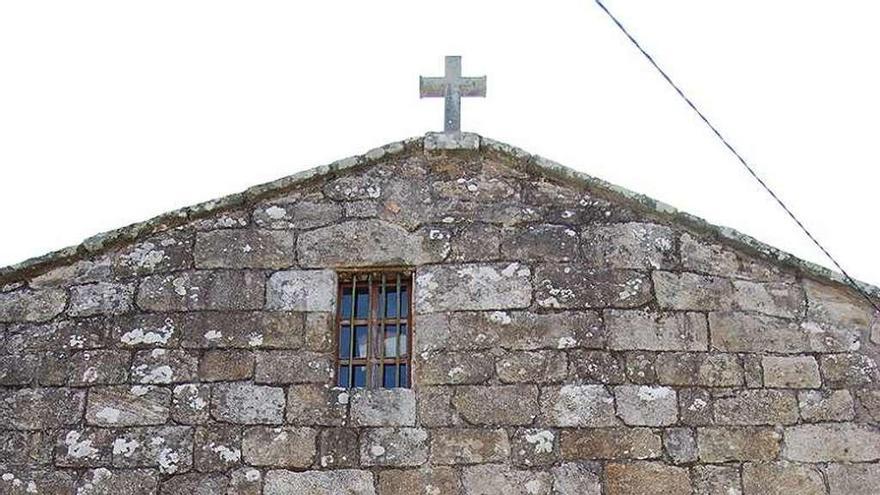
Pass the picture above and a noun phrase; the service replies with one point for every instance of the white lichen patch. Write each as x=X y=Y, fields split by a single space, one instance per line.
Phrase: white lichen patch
x=276 y=212
x=255 y=340
x=225 y=453
x=650 y=394
x=147 y=256
x=156 y=336
x=213 y=335
x=377 y=450
x=77 y=448
x=76 y=342
x=499 y=317
x=542 y=440
x=159 y=374
x=566 y=342
x=124 y=447
x=168 y=460
x=109 y=414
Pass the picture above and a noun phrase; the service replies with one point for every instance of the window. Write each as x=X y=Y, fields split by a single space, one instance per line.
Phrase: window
x=374 y=328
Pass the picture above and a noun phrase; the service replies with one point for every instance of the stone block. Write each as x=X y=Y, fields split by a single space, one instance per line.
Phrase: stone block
x=455 y=368
x=145 y=330
x=241 y=330
x=354 y=187
x=25 y=305
x=85 y=447
x=646 y=478
x=103 y=481
x=468 y=446
x=168 y=448
x=163 y=366
x=643 y=405
x=101 y=298
x=848 y=370
x=510 y=405
x=245 y=248
x=40 y=408
x=219 y=365
x=835 y=308
x=832 y=442
x=203 y=290
x=338 y=448
x=699 y=369
x=189 y=404
x=286 y=446
x=26 y=448
x=542 y=242
x=695 y=406
x=692 y=291
x=245 y=403
x=21 y=368
x=318 y=333
x=337 y=482
x=368 y=242
x=383 y=407
x=476 y=242
x=791 y=372
x=532 y=367
x=579 y=286
x=746 y=443
x=596 y=367
x=853 y=479
x=423 y=481
x=706 y=256
x=716 y=480
x=245 y=481
x=650 y=331
x=826 y=405
x=120 y=405
x=194 y=484
x=774 y=299
x=782 y=478
x=534 y=447
x=303 y=214
x=501 y=479
x=277 y=367
x=472 y=287
x=98 y=367
x=630 y=245
x=681 y=445
x=217 y=447
x=302 y=290
x=317 y=405
x=756 y=407
x=610 y=443
x=577 y=478
x=577 y=406
x=434 y=407
x=640 y=367
x=745 y=332
x=398 y=447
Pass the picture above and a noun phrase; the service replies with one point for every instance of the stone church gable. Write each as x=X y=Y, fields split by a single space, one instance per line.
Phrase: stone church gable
x=567 y=337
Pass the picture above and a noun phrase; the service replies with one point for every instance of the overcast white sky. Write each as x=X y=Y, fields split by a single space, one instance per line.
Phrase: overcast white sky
x=112 y=112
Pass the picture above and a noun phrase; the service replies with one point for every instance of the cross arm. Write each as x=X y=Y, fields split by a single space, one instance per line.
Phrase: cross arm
x=473 y=86
x=432 y=87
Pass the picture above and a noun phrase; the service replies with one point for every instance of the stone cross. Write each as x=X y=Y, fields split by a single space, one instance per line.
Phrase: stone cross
x=452 y=87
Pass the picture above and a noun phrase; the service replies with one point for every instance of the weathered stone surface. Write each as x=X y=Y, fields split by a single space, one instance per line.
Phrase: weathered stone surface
x=455 y=368
x=103 y=481
x=31 y=305
x=434 y=407
x=497 y=405
x=643 y=405
x=532 y=367
x=747 y=443
x=98 y=367
x=290 y=447
x=240 y=330
x=680 y=445
x=389 y=407
x=756 y=407
x=848 y=370
x=368 y=243
x=25 y=481
x=699 y=369
x=868 y=405
x=573 y=406
x=791 y=372
x=836 y=308
x=87 y=447
x=21 y=368
x=781 y=478
x=596 y=367
x=775 y=299
x=245 y=248
x=574 y=286
x=317 y=405
x=705 y=256
x=640 y=367
x=424 y=481
x=145 y=330
x=61 y=336
x=577 y=478
x=302 y=290
x=194 y=484
x=22 y=448
x=646 y=478
x=743 y=332
x=630 y=245
x=189 y=404
x=645 y=330
x=318 y=333
x=852 y=479
x=692 y=291
x=482 y=187
x=245 y=403
x=168 y=448
x=716 y=480
x=394 y=447
x=610 y=443
x=469 y=446
x=202 y=290
x=500 y=479
x=534 y=447
x=128 y=406
x=283 y=367
x=338 y=448
x=219 y=365
x=40 y=408
x=832 y=442
x=338 y=482
x=304 y=214
x=695 y=406
x=476 y=242
x=100 y=298
x=543 y=242
x=472 y=287
x=826 y=405
x=162 y=366
x=217 y=447
x=245 y=481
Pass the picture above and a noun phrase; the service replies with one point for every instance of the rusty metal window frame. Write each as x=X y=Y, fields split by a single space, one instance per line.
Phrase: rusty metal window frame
x=379 y=284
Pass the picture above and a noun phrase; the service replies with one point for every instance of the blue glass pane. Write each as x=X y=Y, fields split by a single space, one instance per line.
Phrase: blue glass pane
x=360 y=376
x=342 y=376
x=388 y=374
x=360 y=341
x=404 y=376
x=390 y=341
x=362 y=303
x=345 y=342
x=404 y=302
x=345 y=308
x=390 y=302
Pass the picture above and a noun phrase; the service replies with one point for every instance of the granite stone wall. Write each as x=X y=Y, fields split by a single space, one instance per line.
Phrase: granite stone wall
x=563 y=344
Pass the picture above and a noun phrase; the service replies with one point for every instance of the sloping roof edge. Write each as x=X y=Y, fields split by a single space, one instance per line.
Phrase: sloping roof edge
x=435 y=143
